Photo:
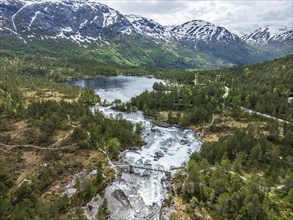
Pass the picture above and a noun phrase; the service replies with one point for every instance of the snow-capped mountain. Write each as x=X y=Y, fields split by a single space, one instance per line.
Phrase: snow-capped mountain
x=269 y=35
x=150 y=28
x=216 y=41
x=170 y=27
x=78 y=21
x=84 y=22
x=202 y=31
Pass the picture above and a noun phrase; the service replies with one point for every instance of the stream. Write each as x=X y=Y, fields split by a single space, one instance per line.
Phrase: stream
x=139 y=194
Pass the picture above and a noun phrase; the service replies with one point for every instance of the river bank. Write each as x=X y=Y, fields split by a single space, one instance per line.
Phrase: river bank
x=139 y=194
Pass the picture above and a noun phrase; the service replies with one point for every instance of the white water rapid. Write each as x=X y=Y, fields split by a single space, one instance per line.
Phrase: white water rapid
x=139 y=194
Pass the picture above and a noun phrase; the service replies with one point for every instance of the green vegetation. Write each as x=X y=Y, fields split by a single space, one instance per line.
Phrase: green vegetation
x=197 y=104
x=47 y=134
x=121 y=52
x=246 y=174
x=263 y=87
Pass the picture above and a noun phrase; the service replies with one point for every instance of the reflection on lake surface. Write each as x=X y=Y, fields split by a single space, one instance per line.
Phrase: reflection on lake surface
x=117 y=87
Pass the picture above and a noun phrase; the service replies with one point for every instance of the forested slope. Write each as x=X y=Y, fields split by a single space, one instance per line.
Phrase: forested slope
x=48 y=133
x=265 y=87
x=244 y=169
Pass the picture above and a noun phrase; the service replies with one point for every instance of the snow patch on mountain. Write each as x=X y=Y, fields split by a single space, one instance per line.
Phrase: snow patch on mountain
x=283 y=36
x=110 y=17
x=199 y=30
x=34 y=18
x=268 y=34
x=169 y=27
x=83 y=21
x=150 y=28
x=83 y=24
x=79 y=21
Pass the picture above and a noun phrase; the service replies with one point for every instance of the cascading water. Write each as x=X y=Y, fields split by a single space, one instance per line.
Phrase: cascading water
x=139 y=194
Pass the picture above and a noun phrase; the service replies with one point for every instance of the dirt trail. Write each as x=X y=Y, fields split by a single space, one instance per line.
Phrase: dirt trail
x=35 y=147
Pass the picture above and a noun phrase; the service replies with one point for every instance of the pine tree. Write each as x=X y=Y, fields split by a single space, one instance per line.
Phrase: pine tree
x=99 y=177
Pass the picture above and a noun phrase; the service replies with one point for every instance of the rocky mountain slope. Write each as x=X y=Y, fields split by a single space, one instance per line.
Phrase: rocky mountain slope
x=149 y=28
x=78 y=21
x=128 y=39
x=269 y=35
x=201 y=31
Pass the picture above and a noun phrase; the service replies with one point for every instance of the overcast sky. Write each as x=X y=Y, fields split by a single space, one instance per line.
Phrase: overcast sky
x=236 y=16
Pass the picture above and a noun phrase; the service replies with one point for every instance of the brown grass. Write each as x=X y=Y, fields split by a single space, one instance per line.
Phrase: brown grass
x=47 y=95
x=181 y=212
x=164 y=115
x=87 y=161
x=224 y=123
x=19 y=131
x=31 y=162
x=60 y=137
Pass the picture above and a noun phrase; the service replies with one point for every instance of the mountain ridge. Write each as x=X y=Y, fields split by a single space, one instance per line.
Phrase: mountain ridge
x=89 y=24
x=269 y=34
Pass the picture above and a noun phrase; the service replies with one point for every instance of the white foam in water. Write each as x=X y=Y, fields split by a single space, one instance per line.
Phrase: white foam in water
x=175 y=144
x=139 y=195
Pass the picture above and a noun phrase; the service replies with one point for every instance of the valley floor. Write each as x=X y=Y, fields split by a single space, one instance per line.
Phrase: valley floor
x=49 y=135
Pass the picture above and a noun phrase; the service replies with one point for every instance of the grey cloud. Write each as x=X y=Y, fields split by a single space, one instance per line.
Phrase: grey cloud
x=146 y=7
x=237 y=16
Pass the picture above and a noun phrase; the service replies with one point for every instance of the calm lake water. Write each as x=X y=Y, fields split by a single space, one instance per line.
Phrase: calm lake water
x=117 y=87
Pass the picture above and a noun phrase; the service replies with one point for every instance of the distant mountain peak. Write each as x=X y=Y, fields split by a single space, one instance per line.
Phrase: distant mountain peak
x=87 y=22
x=268 y=34
x=203 y=31
x=149 y=28
x=80 y=21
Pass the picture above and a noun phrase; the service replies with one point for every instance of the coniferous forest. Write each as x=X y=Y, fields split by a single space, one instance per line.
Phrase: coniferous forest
x=146 y=110
x=48 y=131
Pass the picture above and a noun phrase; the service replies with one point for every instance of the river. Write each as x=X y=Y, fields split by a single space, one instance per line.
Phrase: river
x=139 y=194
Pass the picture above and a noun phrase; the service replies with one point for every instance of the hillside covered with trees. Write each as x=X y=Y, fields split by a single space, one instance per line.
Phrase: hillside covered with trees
x=48 y=132
x=244 y=168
